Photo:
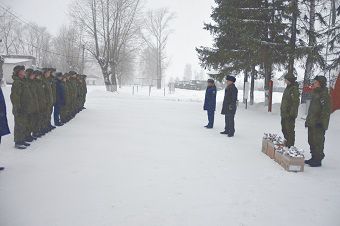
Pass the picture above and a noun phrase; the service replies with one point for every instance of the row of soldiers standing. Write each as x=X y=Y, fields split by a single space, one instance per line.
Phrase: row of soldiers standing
x=36 y=94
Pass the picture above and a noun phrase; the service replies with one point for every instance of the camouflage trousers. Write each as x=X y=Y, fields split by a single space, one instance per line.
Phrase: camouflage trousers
x=21 y=127
x=316 y=140
x=288 y=130
x=35 y=124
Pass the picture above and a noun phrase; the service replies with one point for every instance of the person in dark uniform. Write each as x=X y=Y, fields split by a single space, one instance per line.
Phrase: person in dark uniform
x=60 y=99
x=317 y=120
x=4 y=130
x=229 y=106
x=210 y=102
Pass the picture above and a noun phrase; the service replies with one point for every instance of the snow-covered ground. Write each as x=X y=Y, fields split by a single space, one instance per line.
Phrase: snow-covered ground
x=134 y=160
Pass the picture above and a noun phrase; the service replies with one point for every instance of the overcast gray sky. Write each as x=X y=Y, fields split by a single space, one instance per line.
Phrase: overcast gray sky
x=188 y=32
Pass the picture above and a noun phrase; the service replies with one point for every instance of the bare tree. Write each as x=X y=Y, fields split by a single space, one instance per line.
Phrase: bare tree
x=108 y=25
x=68 y=42
x=156 y=34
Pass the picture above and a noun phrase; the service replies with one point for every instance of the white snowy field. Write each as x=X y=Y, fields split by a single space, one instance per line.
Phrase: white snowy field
x=134 y=160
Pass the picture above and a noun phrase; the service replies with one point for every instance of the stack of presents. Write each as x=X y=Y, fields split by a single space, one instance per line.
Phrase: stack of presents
x=291 y=159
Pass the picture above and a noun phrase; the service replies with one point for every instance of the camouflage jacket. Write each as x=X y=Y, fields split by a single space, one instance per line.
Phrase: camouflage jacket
x=319 y=109
x=21 y=97
x=290 y=101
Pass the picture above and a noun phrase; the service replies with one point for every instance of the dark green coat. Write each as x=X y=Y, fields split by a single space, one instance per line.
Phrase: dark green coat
x=290 y=102
x=34 y=100
x=319 y=109
x=42 y=101
x=21 y=97
x=48 y=92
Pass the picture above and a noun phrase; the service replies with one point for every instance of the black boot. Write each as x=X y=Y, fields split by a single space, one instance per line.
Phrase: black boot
x=2 y=168
x=315 y=163
x=29 y=139
x=20 y=146
x=309 y=161
x=224 y=133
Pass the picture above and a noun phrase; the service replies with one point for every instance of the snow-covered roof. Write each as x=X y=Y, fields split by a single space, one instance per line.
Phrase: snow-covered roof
x=92 y=76
x=16 y=60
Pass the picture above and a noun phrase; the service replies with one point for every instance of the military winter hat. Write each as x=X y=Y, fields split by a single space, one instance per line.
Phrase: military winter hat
x=211 y=80
x=231 y=78
x=44 y=70
x=18 y=68
x=58 y=74
x=37 y=72
x=322 y=80
x=290 y=78
x=29 y=70
x=72 y=73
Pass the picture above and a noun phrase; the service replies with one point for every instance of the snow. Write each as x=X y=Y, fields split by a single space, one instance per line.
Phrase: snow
x=138 y=160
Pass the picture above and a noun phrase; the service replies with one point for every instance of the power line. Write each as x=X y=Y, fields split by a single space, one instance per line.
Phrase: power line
x=8 y=10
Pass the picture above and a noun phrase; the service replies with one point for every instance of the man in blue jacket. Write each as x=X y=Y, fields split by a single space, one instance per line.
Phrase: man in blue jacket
x=4 y=130
x=60 y=99
x=229 y=106
x=210 y=102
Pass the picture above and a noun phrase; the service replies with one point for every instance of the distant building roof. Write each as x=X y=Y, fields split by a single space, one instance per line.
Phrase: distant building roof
x=16 y=60
x=92 y=76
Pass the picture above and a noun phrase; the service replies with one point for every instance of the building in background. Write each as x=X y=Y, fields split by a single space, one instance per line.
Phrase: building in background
x=93 y=80
x=11 y=61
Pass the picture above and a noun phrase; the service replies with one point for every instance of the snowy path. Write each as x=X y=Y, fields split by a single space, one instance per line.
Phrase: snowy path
x=138 y=161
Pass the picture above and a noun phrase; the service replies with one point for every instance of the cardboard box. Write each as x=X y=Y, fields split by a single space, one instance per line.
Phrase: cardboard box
x=278 y=157
x=291 y=164
x=271 y=150
x=264 y=145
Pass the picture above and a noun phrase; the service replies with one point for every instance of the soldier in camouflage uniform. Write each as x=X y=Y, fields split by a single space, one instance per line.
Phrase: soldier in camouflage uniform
x=64 y=109
x=73 y=93
x=33 y=124
x=317 y=120
x=289 y=109
x=48 y=89
x=20 y=95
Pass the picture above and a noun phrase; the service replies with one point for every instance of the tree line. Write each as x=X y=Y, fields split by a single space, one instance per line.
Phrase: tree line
x=117 y=34
x=259 y=38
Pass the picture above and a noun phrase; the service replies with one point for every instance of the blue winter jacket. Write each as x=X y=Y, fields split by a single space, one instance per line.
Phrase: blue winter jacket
x=4 y=130
x=210 y=99
x=60 y=92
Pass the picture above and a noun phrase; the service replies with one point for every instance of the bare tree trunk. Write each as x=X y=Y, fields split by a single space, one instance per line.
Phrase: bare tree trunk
x=244 y=85
x=291 y=60
x=312 y=43
x=268 y=70
x=252 y=84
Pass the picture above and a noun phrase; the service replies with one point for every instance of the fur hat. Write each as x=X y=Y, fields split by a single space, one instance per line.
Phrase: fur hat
x=322 y=80
x=18 y=68
x=231 y=78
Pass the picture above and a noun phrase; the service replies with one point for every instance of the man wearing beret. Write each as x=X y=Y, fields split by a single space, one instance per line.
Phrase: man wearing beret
x=210 y=102
x=229 y=106
x=289 y=109
x=20 y=96
x=318 y=120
